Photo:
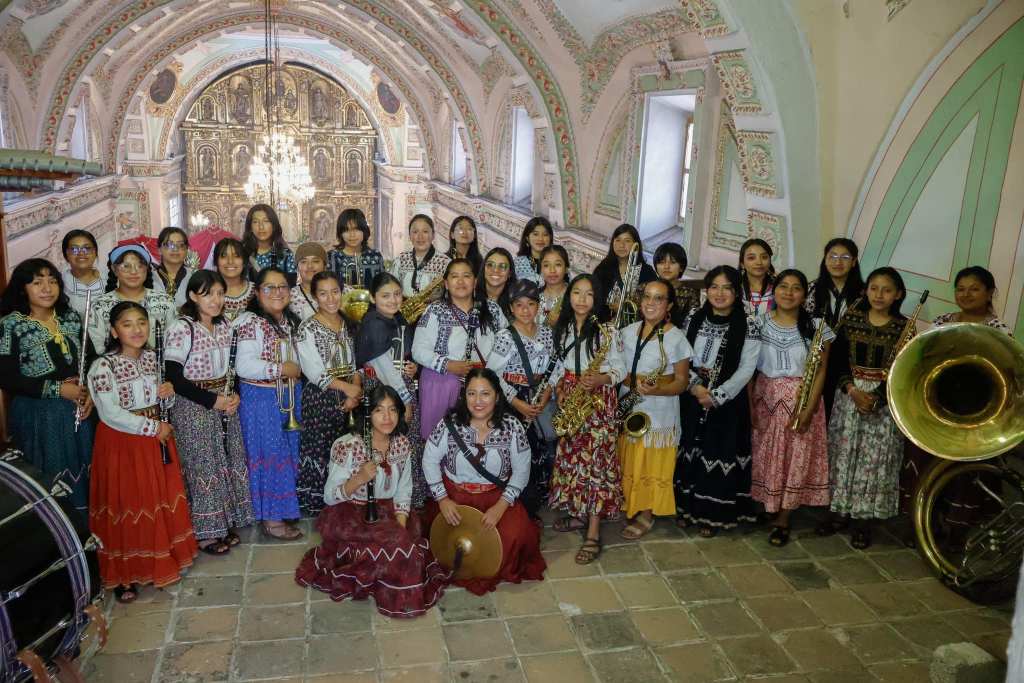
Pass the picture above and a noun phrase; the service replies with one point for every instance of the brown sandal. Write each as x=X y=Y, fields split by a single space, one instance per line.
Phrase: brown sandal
x=589 y=551
x=283 y=532
x=568 y=523
x=637 y=529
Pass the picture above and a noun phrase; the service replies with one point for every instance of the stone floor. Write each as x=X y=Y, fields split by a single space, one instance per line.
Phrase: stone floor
x=669 y=608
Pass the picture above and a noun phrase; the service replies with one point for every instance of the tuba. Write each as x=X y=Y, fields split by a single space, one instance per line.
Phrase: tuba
x=286 y=388
x=355 y=302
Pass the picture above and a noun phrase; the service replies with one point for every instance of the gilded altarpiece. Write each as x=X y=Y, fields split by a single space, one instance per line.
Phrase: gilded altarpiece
x=226 y=123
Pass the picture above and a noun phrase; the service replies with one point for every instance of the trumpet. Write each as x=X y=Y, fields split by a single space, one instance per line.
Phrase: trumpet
x=286 y=388
x=626 y=306
x=342 y=367
x=81 y=353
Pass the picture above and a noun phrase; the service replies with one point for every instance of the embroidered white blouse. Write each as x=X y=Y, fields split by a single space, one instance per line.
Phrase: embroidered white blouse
x=705 y=353
x=414 y=275
x=204 y=355
x=302 y=304
x=160 y=307
x=235 y=305
x=394 y=472
x=523 y=266
x=182 y=294
x=318 y=347
x=506 y=359
x=77 y=290
x=663 y=410
x=119 y=384
x=547 y=304
x=614 y=365
x=441 y=335
x=783 y=351
x=258 y=359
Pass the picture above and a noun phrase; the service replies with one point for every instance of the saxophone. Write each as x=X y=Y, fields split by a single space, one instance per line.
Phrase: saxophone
x=636 y=423
x=580 y=404
x=414 y=306
x=803 y=393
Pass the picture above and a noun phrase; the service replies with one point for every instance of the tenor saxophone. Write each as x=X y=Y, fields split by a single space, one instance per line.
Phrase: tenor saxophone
x=803 y=393
x=580 y=403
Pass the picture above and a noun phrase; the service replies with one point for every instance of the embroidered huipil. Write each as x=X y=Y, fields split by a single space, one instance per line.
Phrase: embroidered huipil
x=441 y=335
x=832 y=309
x=706 y=348
x=370 y=263
x=507 y=362
x=993 y=322
x=576 y=357
x=282 y=260
x=33 y=362
x=119 y=385
x=758 y=304
x=663 y=410
x=258 y=359
x=526 y=270
x=234 y=305
x=506 y=456
x=302 y=304
x=394 y=472
x=547 y=304
x=865 y=348
x=180 y=295
x=375 y=350
x=203 y=355
x=319 y=348
x=416 y=274
x=77 y=290
x=784 y=350
x=160 y=307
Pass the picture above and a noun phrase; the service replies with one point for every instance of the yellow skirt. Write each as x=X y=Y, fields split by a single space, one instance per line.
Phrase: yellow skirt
x=647 y=477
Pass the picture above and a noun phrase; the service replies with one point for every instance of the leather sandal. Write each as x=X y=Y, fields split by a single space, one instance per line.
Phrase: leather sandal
x=589 y=551
x=637 y=529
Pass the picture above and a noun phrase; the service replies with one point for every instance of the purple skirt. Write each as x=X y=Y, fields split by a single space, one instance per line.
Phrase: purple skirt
x=438 y=393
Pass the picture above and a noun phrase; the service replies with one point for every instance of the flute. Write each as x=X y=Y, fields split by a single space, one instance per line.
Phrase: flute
x=81 y=354
x=165 y=453
x=229 y=381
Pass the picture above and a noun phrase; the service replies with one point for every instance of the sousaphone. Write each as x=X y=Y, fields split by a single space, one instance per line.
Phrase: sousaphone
x=469 y=550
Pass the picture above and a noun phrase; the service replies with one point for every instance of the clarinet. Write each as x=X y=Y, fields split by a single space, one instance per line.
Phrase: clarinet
x=716 y=369
x=81 y=353
x=472 y=323
x=229 y=382
x=371 y=515
x=165 y=453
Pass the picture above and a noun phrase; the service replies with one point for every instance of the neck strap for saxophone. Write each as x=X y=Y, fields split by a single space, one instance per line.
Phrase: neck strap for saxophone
x=656 y=330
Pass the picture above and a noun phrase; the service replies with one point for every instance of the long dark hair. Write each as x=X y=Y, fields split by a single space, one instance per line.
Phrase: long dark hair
x=113 y=344
x=377 y=396
x=236 y=246
x=473 y=253
x=562 y=254
x=567 y=316
x=737 y=320
x=897 y=279
x=524 y=239
x=15 y=299
x=608 y=268
x=769 y=277
x=852 y=288
x=352 y=215
x=72 y=234
x=804 y=322
x=199 y=284
x=460 y=411
x=983 y=275
x=485 y=317
x=481 y=284
x=249 y=242
x=112 y=274
x=254 y=303
x=429 y=221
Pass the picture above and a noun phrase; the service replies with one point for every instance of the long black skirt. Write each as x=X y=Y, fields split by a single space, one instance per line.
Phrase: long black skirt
x=323 y=422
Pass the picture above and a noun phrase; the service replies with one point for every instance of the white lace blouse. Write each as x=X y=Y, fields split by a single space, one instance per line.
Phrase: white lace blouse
x=394 y=472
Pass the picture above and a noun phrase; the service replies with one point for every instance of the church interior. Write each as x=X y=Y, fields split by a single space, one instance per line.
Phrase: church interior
x=898 y=124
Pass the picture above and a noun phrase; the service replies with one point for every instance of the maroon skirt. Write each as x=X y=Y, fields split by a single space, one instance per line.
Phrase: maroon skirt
x=386 y=560
x=520 y=540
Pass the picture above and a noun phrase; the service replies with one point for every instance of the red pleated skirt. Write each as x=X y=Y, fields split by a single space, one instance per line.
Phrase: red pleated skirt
x=138 y=509
x=385 y=560
x=520 y=540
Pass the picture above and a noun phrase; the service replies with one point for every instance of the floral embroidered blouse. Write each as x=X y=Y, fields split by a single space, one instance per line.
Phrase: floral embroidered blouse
x=258 y=358
x=394 y=472
x=161 y=308
x=235 y=305
x=783 y=349
x=120 y=385
x=507 y=362
x=33 y=361
x=416 y=275
x=446 y=332
x=320 y=347
x=370 y=263
x=303 y=305
x=199 y=355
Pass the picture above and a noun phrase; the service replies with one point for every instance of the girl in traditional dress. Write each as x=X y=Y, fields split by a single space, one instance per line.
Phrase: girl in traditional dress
x=657 y=357
x=417 y=268
x=40 y=346
x=205 y=416
x=453 y=336
x=757 y=276
x=376 y=353
x=790 y=461
x=328 y=398
x=229 y=259
x=129 y=278
x=838 y=287
x=537 y=236
x=712 y=479
x=389 y=559
x=312 y=259
x=554 y=269
x=479 y=456
x=82 y=276
x=612 y=268
x=352 y=258
x=670 y=264
x=494 y=281
x=587 y=479
x=137 y=504
x=865 y=445
x=273 y=453
x=172 y=274
x=463 y=243
x=265 y=246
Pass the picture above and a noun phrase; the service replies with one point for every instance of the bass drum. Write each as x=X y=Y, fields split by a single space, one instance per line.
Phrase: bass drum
x=49 y=580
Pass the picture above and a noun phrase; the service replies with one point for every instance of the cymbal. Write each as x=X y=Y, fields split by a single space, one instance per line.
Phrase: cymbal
x=480 y=548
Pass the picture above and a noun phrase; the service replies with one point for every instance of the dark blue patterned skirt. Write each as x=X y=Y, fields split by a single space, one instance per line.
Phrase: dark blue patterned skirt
x=273 y=453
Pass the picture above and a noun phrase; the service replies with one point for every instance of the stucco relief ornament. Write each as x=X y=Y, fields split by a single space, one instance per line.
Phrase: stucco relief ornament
x=742 y=83
x=760 y=163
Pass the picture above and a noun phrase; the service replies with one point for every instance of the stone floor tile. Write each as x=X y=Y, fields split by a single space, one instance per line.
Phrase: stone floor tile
x=411 y=648
x=825 y=546
x=432 y=673
x=818 y=649
x=885 y=540
x=665 y=626
x=624 y=559
x=276 y=558
x=782 y=612
x=759 y=655
x=533 y=635
x=381 y=623
x=791 y=551
x=564 y=667
x=273 y=589
x=900 y=672
x=349 y=616
x=326 y=655
x=135 y=634
x=576 y=596
x=488 y=671
x=837 y=607
x=272 y=623
x=363 y=677
x=755 y=579
x=233 y=563
x=903 y=565
x=210 y=623
x=803 y=575
x=462 y=605
x=562 y=565
x=937 y=597
x=605 y=631
x=672 y=556
x=875 y=643
x=927 y=633
x=845 y=676
x=149 y=600
x=723 y=619
x=210 y=591
x=975 y=623
x=196 y=663
x=727 y=549
x=270 y=659
x=889 y=600
x=562 y=540
x=994 y=644
x=642 y=591
x=851 y=571
x=697 y=663
x=523 y=599
x=627 y=666
x=699 y=586
x=473 y=640
x=134 y=667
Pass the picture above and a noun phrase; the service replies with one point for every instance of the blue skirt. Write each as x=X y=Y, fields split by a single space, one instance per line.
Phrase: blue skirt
x=273 y=453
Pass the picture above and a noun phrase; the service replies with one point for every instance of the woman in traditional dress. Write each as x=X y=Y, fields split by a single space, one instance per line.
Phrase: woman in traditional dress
x=453 y=336
x=129 y=278
x=612 y=268
x=479 y=456
x=82 y=278
x=172 y=274
x=388 y=559
x=757 y=276
x=554 y=270
x=790 y=448
x=229 y=260
x=417 y=268
x=328 y=396
x=383 y=352
x=265 y=246
x=494 y=280
x=352 y=258
x=137 y=503
x=462 y=241
x=864 y=443
x=40 y=347
x=312 y=259
x=670 y=264
x=657 y=357
x=975 y=287
x=205 y=416
x=712 y=479
x=537 y=236
x=586 y=483
x=273 y=452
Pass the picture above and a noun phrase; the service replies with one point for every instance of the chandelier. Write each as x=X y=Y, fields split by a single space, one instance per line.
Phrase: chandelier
x=279 y=173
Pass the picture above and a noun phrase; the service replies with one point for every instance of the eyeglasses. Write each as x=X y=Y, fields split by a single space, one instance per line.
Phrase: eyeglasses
x=174 y=246
x=80 y=251
x=130 y=267
x=654 y=298
x=268 y=290
x=838 y=258
x=720 y=288
x=493 y=265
